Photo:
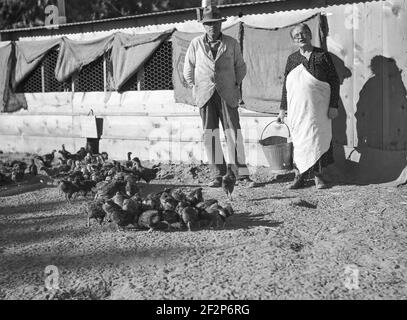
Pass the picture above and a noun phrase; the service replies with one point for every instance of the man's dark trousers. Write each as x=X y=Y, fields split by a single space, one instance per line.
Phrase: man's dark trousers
x=212 y=112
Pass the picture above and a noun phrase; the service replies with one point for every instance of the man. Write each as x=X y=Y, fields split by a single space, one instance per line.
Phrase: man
x=310 y=96
x=214 y=68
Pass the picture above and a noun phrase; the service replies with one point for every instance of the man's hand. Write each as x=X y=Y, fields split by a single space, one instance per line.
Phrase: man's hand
x=332 y=113
x=281 y=116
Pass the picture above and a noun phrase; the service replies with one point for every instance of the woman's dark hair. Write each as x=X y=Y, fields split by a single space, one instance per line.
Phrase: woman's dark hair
x=303 y=26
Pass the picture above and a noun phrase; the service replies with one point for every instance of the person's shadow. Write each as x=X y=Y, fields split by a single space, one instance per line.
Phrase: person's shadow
x=381 y=123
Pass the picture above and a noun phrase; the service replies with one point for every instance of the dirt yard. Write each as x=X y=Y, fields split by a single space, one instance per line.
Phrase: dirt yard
x=279 y=245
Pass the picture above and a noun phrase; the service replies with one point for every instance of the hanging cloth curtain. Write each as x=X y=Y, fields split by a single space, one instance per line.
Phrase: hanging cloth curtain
x=265 y=52
x=130 y=52
x=28 y=56
x=74 y=55
x=5 y=67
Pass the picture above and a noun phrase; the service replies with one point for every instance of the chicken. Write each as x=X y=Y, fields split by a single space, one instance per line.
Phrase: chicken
x=167 y=201
x=85 y=186
x=65 y=154
x=108 y=189
x=88 y=158
x=206 y=204
x=152 y=201
x=170 y=217
x=117 y=215
x=188 y=214
x=104 y=156
x=81 y=154
x=118 y=199
x=195 y=197
x=68 y=188
x=47 y=159
x=19 y=165
x=131 y=187
x=129 y=163
x=94 y=210
x=178 y=195
x=133 y=207
x=17 y=171
x=146 y=174
x=32 y=168
x=152 y=220
x=229 y=181
x=219 y=215
x=17 y=175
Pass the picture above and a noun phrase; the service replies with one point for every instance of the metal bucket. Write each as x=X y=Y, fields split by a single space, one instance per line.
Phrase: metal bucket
x=277 y=150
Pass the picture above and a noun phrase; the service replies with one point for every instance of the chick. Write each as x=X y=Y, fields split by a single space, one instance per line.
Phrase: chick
x=117 y=215
x=219 y=215
x=118 y=199
x=68 y=188
x=17 y=175
x=33 y=169
x=152 y=201
x=178 y=195
x=85 y=186
x=65 y=154
x=131 y=187
x=229 y=181
x=152 y=220
x=108 y=189
x=46 y=159
x=129 y=163
x=206 y=204
x=88 y=158
x=94 y=210
x=167 y=202
x=195 y=197
x=188 y=214
x=146 y=174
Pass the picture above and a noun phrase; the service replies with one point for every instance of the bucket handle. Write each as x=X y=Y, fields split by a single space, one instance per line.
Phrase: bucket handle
x=288 y=129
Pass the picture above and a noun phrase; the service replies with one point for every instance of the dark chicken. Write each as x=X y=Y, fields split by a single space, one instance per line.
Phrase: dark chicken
x=152 y=220
x=195 y=197
x=65 y=154
x=32 y=168
x=189 y=215
x=116 y=214
x=229 y=181
x=68 y=188
x=94 y=210
x=146 y=174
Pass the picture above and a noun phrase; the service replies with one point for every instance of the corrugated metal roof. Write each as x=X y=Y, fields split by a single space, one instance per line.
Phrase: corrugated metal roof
x=152 y=14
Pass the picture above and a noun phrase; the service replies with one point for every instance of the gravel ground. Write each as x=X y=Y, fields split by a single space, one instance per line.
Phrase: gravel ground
x=279 y=245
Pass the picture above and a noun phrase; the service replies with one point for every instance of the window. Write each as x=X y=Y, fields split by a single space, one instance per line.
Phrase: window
x=156 y=74
x=42 y=79
x=32 y=83
x=91 y=77
x=51 y=84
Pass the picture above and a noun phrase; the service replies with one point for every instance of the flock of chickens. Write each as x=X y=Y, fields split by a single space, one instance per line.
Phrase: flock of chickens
x=117 y=187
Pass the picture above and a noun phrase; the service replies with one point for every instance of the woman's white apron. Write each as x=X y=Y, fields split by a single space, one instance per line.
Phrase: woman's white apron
x=307 y=116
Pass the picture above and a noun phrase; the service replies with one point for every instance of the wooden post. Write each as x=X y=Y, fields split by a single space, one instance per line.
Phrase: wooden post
x=62 y=15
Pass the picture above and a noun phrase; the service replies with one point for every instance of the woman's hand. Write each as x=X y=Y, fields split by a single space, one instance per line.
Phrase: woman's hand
x=281 y=116
x=332 y=113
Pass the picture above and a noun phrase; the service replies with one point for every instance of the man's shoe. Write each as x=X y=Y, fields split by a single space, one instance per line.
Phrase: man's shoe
x=298 y=183
x=216 y=183
x=320 y=183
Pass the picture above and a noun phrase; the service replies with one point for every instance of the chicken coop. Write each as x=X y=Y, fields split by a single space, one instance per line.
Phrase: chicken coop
x=56 y=79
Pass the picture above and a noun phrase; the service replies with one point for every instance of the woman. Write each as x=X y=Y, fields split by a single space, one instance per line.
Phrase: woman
x=310 y=97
